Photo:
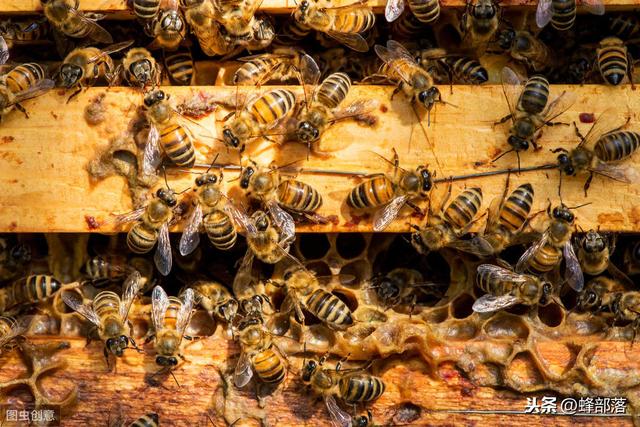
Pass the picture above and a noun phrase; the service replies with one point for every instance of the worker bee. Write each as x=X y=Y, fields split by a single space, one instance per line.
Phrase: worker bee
x=351 y=385
x=14 y=259
x=480 y=21
x=505 y=288
x=257 y=117
x=553 y=246
x=152 y=226
x=446 y=227
x=345 y=24
x=562 y=13
x=464 y=69
x=400 y=286
x=611 y=145
x=624 y=26
x=525 y=47
x=258 y=353
x=270 y=243
x=23 y=32
x=216 y=213
x=146 y=10
x=625 y=307
x=529 y=109
x=108 y=313
x=391 y=193
x=65 y=16
x=597 y=294
x=216 y=299
x=23 y=82
x=180 y=66
x=594 y=253
x=407 y=26
x=103 y=269
x=10 y=329
x=614 y=61
x=31 y=289
x=168 y=27
x=362 y=420
x=236 y=17
x=170 y=317
x=200 y=15
x=140 y=68
x=83 y=66
x=282 y=64
x=148 y=420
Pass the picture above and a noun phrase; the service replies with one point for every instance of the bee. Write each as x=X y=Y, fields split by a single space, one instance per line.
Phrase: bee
x=108 y=313
x=625 y=307
x=257 y=117
x=352 y=385
x=282 y=64
x=362 y=420
x=624 y=26
x=148 y=420
x=216 y=299
x=83 y=66
x=407 y=26
x=14 y=259
x=594 y=253
x=269 y=243
x=399 y=286
x=104 y=269
x=168 y=28
x=562 y=13
x=152 y=226
x=390 y=194
x=236 y=17
x=505 y=288
x=140 y=68
x=23 y=82
x=480 y=21
x=65 y=16
x=146 y=10
x=466 y=70
x=24 y=32
x=529 y=109
x=216 y=213
x=614 y=61
x=446 y=227
x=180 y=67
x=200 y=15
x=10 y=329
x=344 y=24
x=525 y=47
x=31 y=289
x=611 y=145
x=597 y=294
x=170 y=317
x=553 y=246
x=258 y=353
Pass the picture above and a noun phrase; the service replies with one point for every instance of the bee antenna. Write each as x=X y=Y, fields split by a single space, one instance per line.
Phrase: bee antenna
x=164 y=172
x=501 y=155
x=213 y=162
x=174 y=378
x=578 y=206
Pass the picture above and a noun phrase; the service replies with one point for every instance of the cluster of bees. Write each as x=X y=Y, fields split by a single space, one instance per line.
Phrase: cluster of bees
x=556 y=259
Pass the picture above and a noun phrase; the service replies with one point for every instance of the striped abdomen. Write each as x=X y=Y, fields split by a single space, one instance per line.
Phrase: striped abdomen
x=467 y=69
x=76 y=27
x=220 y=229
x=624 y=26
x=490 y=281
x=148 y=420
x=333 y=90
x=617 y=145
x=146 y=9
x=179 y=66
x=171 y=315
x=298 y=196
x=516 y=208
x=564 y=14
x=107 y=268
x=295 y=31
x=269 y=366
x=177 y=145
x=535 y=95
x=141 y=238
x=426 y=11
x=545 y=259
x=255 y=70
x=356 y=388
x=464 y=208
x=107 y=304
x=407 y=26
x=355 y=21
x=272 y=106
x=24 y=76
x=32 y=289
x=372 y=193
x=612 y=61
x=329 y=309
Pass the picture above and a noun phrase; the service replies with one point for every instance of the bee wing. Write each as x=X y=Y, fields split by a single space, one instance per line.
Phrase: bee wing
x=512 y=86
x=309 y=70
x=339 y=418
x=562 y=103
x=573 y=273
x=184 y=314
x=544 y=13
x=4 y=51
x=488 y=303
x=98 y=33
x=151 y=156
x=129 y=216
x=18 y=327
x=159 y=305
x=116 y=47
x=41 y=87
x=190 y=238
x=163 y=257
x=356 y=108
x=240 y=217
x=393 y=10
x=500 y=273
x=607 y=120
x=619 y=172
x=129 y=291
x=243 y=372
x=385 y=216
x=595 y=7
x=284 y=221
x=526 y=256
x=74 y=302
x=352 y=40
x=477 y=246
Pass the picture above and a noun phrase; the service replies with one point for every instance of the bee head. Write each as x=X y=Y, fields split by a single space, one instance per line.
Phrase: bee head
x=547 y=288
x=565 y=164
x=166 y=361
x=484 y=10
x=20 y=253
x=228 y=310
x=387 y=289
x=154 y=97
x=593 y=242
x=141 y=70
x=206 y=179
x=167 y=196
x=518 y=143
x=304 y=7
x=230 y=139
x=426 y=177
x=117 y=345
x=562 y=213
x=69 y=75
x=429 y=97
x=308 y=370
x=362 y=420
x=306 y=132
x=505 y=38
x=247 y=173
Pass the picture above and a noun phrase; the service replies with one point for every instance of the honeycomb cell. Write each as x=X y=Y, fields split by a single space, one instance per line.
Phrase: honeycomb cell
x=355 y=273
x=506 y=326
x=551 y=314
x=313 y=245
x=350 y=245
x=462 y=306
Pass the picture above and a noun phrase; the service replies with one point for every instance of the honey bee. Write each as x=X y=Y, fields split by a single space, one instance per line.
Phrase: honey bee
x=614 y=61
x=31 y=289
x=201 y=15
x=351 y=385
x=594 y=253
x=282 y=64
x=108 y=313
x=152 y=226
x=505 y=288
x=23 y=82
x=553 y=246
x=597 y=293
x=344 y=24
x=23 y=32
x=180 y=67
x=525 y=47
x=216 y=213
x=148 y=420
x=236 y=17
x=269 y=243
x=146 y=10
x=625 y=307
x=362 y=420
x=168 y=28
x=140 y=68
x=65 y=16
x=104 y=269
x=446 y=227
x=83 y=66
x=529 y=109
x=14 y=259
x=258 y=353
x=391 y=193
x=170 y=317
x=216 y=299
x=624 y=26
x=407 y=26
x=480 y=21
x=611 y=145
x=257 y=117
x=10 y=329
x=562 y=13
x=399 y=286
x=464 y=69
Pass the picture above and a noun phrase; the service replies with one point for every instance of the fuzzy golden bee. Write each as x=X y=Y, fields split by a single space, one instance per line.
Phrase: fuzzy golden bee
x=28 y=290
x=562 y=13
x=594 y=253
x=23 y=82
x=168 y=27
x=170 y=317
x=66 y=17
x=140 y=68
x=282 y=64
x=401 y=286
x=480 y=22
x=216 y=299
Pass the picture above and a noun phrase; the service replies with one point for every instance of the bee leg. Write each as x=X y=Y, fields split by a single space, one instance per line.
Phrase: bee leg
x=135 y=346
x=630 y=70
x=416 y=208
x=503 y=120
x=396 y=90
x=74 y=94
x=149 y=338
x=587 y=184
x=21 y=109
